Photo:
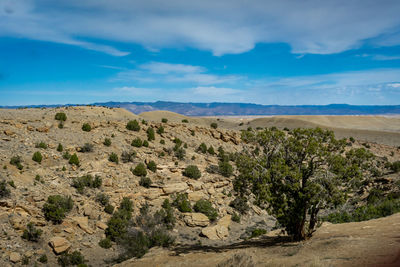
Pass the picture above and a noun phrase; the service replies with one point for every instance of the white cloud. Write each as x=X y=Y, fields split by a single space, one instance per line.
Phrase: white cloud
x=216 y=91
x=225 y=26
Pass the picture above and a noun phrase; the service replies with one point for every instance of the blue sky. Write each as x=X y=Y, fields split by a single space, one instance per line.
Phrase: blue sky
x=266 y=52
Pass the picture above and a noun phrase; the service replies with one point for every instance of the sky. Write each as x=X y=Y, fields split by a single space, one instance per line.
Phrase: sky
x=286 y=52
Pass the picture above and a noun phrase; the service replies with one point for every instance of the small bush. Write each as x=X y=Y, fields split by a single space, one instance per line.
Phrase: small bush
x=109 y=209
x=31 y=233
x=211 y=151
x=236 y=217
x=240 y=204
x=75 y=258
x=139 y=170
x=73 y=160
x=202 y=148
x=43 y=258
x=60 y=116
x=133 y=126
x=145 y=182
x=160 y=130
x=137 y=142
x=86 y=127
x=103 y=199
x=128 y=156
x=162 y=141
x=145 y=143
x=182 y=203
x=152 y=166
x=12 y=184
x=258 y=232
x=185 y=121
x=214 y=125
x=107 y=142
x=205 y=207
x=180 y=153
x=87 y=147
x=37 y=156
x=61 y=125
x=41 y=145
x=4 y=191
x=150 y=134
x=66 y=155
x=86 y=181
x=113 y=158
x=56 y=207
x=164 y=120
x=352 y=139
x=60 y=148
x=395 y=167
x=105 y=243
x=225 y=169
x=192 y=171
x=17 y=161
x=192 y=133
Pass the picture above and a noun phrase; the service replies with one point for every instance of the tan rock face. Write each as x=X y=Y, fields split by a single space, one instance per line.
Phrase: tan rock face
x=175 y=188
x=215 y=232
x=196 y=196
x=196 y=219
x=225 y=221
x=59 y=244
x=15 y=257
x=83 y=223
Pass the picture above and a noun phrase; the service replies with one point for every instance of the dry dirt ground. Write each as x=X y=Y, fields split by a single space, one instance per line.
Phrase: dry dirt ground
x=353 y=244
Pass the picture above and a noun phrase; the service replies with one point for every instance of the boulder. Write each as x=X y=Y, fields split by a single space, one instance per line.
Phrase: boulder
x=59 y=244
x=225 y=221
x=83 y=223
x=196 y=219
x=15 y=257
x=195 y=196
x=216 y=232
x=175 y=188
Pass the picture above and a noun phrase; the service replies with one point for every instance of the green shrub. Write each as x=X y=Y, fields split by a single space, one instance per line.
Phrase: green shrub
x=87 y=147
x=75 y=259
x=137 y=142
x=126 y=205
x=185 y=121
x=41 y=145
x=105 y=243
x=211 y=151
x=86 y=127
x=225 y=169
x=60 y=116
x=160 y=130
x=37 y=156
x=145 y=182
x=182 y=203
x=395 y=166
x=118 y=223
x=103 y=199
x=128 y=156
x=86 y=181
x=133 y=126
x=12 y=184
x=60 y=148
x=31 y=233
x=205 y=207
x=66 y=155
x=109 y=209
x=150 y=134
x=202 y=148
x=180 y=153
x=162 y=141
x=152 y=166
x=61 y=125
x=164 y=120
x=352 y=139
x=4 y=191
x=17 y=161
x=43 y=258
x=113 y=158
x=145 y=143
x=192 y=171
x=257 y=232
x=56 y=207
x=167 y=215
x=192 y=133
x=240 y=204
x=144 y=122
x=107 y=142
x=236 y=217
x=73 y=160
x=139 y=170
x=214 y=125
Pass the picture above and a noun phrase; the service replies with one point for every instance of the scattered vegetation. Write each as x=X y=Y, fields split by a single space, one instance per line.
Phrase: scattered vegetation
x=60 y=116
x=31 y=233
x=240 y=204
x=37 y=156
x=86 y=181
x=214 y=125
x=41 y=145
x=137 y=142
x=107 y=142
x=182 y=203
x=87 y=148
x=17 y=162
x=60 y=148
x=56 y=207
x=145 y=182
x=152 y=166
x=128 y=156
x=73 y=160
x=103 y=199
x=139 y=170
x=113 y=158
x=150 y=134
x=160 y=130
x=4 y=191
x=164 y=120
x=205 y=207
x=185 y=121
x=86 y=127
x=133 y=126
x=192 y=171
x=105 y=243
x=75 y=259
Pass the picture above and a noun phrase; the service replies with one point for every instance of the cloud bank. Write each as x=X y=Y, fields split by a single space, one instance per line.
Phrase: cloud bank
x=222 y=27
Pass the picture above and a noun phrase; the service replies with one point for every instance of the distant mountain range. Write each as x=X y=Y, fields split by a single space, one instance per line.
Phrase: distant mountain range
x=240 y=109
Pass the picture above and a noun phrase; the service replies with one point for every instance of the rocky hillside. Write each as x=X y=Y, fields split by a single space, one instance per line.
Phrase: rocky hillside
x=107 y=149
